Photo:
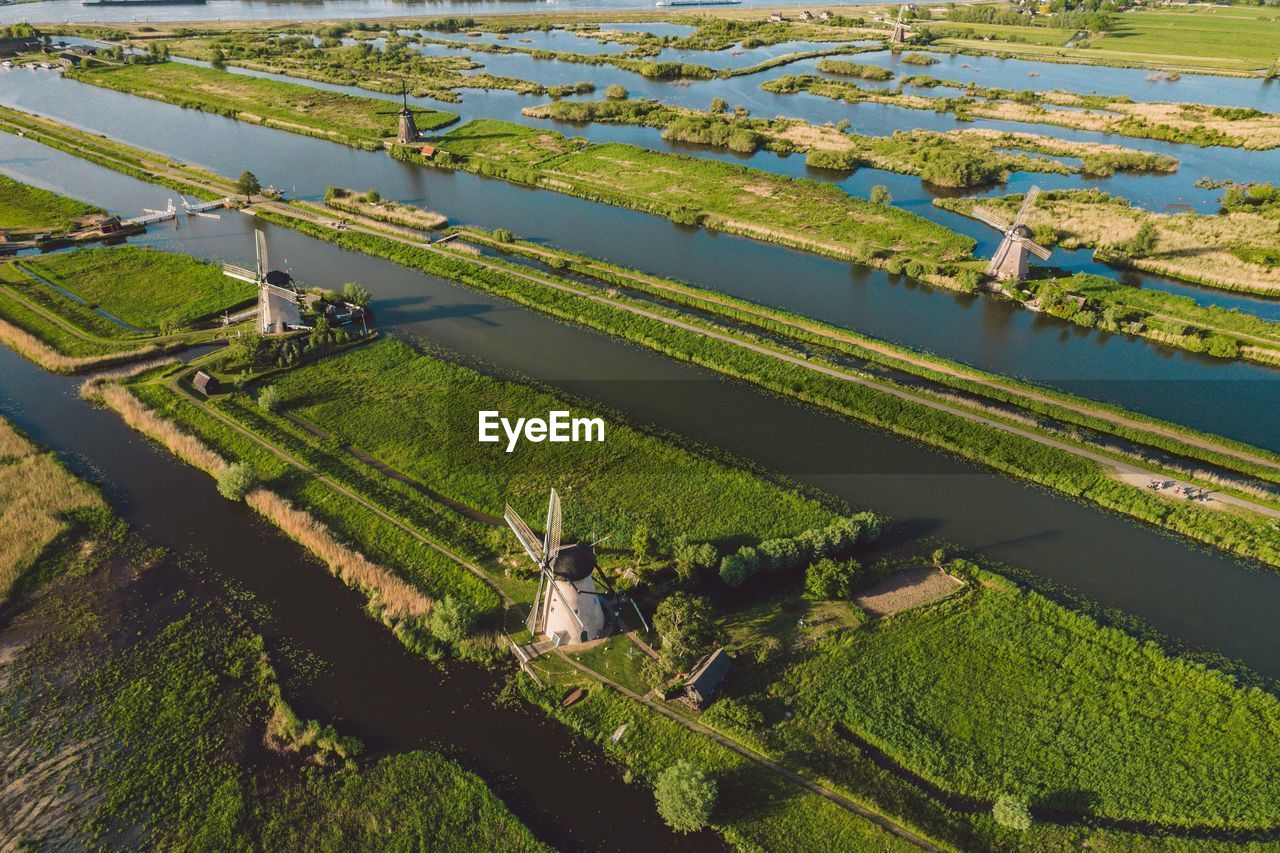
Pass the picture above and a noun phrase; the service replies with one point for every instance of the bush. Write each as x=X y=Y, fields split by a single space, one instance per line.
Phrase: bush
x=686 y=628
x=269 y=399
x=616 y=92
x=356 y=294
x=237 y=480
x=686 y=796
x=830 y=579
x=373 y=196
x=502 y=235
x=1012 y=812
x=880 y=194
x=451 y=619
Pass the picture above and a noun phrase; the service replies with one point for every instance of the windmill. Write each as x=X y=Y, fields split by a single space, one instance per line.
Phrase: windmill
x=901 y=32
x=567 y=607
x=277 y=296
x=408 y=131
x=1010 y=259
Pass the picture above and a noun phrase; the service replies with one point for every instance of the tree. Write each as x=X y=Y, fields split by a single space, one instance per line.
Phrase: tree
x=686 y=628
x=356 y=294
x=269 y=399
x=830 y=579
x=719 y=105
x=373 y=196
x=247 y=185
x=1144 y=242
x=237 y=480
x=1012 y=812
x=616 y=92
x=880 y=195
x=451 y=619
x=219 y=59
x=244 y=348
x=686 y=796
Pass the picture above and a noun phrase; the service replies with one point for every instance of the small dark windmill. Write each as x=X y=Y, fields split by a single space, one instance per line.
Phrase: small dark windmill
x=1010 y=262
x=408 y=131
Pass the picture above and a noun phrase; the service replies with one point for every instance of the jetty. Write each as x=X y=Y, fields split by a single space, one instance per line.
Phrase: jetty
x=151 y=216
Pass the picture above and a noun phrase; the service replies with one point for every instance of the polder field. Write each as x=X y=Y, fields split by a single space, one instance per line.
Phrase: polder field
x=897 y=548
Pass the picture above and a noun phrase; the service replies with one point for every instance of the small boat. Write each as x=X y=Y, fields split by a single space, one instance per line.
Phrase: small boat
x=573 y=697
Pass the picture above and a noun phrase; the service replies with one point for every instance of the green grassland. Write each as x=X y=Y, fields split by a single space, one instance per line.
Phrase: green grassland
x=146 y=288
x=285 y=106
x=1224 y=39
x=26 y=209
x=998 y=690
x=797 y=212
x=419 y=414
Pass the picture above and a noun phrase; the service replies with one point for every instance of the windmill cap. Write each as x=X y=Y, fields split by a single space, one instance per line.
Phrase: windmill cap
x=575 y=562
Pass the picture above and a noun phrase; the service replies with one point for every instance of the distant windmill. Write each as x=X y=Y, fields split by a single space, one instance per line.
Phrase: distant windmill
x=567 y=607
x=1010 y=260
x=901 y=32
x=408 y=131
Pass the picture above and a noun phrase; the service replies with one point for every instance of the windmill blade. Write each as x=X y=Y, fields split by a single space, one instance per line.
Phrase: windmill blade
x=551 y=542
x=260 y=250
x=1035 y=248
x=1028 y=201
x=989 y=216
x=530 y=542
x=535 y=612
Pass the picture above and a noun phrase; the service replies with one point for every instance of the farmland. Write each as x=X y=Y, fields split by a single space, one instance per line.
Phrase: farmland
x=285 y=106
x=147 y=289
x=1062 y=704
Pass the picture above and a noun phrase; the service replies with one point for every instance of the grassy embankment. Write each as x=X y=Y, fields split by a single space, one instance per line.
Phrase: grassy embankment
x=959 y=158
x=26 y=210
x=113 y=663
x=296 y=108
x=799 y=213
x=1233 y=250
x=1234 y=39
x=1192 y=124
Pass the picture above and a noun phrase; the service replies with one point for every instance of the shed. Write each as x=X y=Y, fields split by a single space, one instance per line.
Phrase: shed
x=775 y=18
x=206 y=384
x=428 y=151
x=806 y=15
x=702 y=683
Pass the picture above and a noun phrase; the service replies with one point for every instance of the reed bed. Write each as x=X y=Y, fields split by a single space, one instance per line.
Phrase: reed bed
x=185 y=446
x=29 y=346
x=13 y=445
x=393 y=597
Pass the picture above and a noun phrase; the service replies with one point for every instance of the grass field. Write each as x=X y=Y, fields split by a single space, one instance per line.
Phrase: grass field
x=799 y=212
x=418 y=414
x=1231 y=39
x=999 y=690
x=146 y=288
x=286 y=106
x=25 y=209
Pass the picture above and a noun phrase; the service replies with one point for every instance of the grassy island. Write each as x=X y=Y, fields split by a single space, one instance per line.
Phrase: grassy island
x=26 y=210
x=284 y=106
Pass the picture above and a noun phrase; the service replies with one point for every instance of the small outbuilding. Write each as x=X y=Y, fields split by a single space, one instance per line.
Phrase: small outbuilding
x=206 y=384
x=428 y=151
x=700 y=688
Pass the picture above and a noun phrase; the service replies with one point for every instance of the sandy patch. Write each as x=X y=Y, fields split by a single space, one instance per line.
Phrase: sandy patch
x=906 y=589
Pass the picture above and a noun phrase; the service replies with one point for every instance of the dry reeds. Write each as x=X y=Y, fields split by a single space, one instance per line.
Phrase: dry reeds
x=28 y=345
x=12 y=444
x=35 y=494
x=396 y=598
x=185 y=446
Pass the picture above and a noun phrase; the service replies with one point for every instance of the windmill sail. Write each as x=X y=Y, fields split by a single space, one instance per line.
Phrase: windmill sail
x=530 y=542
x=1009 y=263
x=551 y=540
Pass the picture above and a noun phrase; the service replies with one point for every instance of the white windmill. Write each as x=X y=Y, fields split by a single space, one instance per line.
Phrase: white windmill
x=567 y=608
x=1010 y=262
x=277 y=295
x=901 y=32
